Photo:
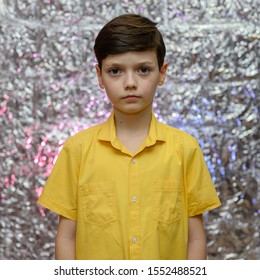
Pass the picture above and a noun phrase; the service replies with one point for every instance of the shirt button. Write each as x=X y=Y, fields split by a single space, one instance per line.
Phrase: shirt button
x=134 y=198
x=134 y=239
x=134 y=161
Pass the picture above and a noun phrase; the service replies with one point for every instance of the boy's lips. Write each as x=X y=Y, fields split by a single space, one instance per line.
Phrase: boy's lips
x=131 y=97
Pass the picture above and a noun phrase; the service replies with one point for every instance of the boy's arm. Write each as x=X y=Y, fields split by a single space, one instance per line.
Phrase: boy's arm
x=197 y=244
x=65 y=245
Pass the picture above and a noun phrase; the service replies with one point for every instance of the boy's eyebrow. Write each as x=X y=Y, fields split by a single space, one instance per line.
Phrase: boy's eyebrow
x=117 y=64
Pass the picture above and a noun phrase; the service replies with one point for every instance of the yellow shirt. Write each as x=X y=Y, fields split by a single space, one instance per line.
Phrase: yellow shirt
x=130 y=206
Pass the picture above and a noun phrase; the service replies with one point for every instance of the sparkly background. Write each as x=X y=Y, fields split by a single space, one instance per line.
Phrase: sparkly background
x=48 y=91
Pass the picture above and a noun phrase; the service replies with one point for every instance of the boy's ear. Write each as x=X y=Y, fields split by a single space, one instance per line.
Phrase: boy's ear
x=163 y=73
x=100 y=81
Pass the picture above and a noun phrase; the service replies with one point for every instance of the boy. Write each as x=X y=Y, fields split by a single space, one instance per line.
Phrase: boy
x=130 y=188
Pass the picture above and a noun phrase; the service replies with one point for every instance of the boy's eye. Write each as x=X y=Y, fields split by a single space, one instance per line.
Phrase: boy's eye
x=144 y=69
x=114 y=71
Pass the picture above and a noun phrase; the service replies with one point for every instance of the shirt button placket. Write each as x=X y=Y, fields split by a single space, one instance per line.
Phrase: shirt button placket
x=134 y=210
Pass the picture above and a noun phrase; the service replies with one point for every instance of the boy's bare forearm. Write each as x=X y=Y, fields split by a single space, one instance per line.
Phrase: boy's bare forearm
x=197 y=250
x=65 y=244
x=197 y=245
x=65 y=249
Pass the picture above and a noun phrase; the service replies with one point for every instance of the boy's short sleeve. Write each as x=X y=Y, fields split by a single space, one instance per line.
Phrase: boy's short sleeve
x=60 y=192
x=202 y=195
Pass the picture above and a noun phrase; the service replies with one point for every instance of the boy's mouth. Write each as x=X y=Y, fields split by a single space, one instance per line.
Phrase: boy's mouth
x=131 y=97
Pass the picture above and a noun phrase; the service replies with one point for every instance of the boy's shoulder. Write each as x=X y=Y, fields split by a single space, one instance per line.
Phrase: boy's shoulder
x=177 y=134
x=85 y=135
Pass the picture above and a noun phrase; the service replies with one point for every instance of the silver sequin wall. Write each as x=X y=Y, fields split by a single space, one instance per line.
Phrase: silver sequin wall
x=48 y=92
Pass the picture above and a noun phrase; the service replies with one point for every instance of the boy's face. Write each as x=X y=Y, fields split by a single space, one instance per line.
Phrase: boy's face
x=130 y=80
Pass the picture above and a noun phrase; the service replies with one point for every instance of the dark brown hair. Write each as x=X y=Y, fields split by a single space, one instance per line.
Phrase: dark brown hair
x=129 y=32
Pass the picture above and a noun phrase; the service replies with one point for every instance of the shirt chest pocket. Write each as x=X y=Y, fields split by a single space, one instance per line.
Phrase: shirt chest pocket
x=99 y=203
x=167 y=201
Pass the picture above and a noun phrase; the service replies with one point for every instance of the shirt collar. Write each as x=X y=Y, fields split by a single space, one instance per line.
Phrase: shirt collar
x=108 y=132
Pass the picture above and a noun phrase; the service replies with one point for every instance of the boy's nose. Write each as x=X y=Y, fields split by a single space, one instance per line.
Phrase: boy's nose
x=130 y=81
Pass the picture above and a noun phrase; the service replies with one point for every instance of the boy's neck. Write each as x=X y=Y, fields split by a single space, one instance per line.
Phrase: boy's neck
x=132 y=130
x=133 y=123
